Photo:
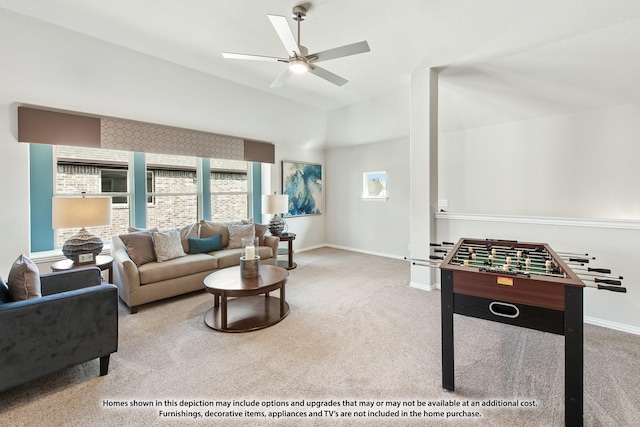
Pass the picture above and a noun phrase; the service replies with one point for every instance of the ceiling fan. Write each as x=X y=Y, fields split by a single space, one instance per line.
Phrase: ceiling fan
x=299 y=59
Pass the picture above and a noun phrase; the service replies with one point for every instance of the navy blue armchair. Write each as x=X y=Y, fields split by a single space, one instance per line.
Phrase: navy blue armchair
x=74 y=321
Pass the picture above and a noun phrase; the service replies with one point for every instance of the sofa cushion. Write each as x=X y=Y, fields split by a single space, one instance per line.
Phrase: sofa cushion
x=206 y=244
x=227 y=257
x=237 y=232
x=139 y=246
x=178 y=267
x=24 y=280
x=167 y=245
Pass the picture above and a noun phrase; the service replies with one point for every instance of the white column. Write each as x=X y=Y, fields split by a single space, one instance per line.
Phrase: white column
x=424 y=172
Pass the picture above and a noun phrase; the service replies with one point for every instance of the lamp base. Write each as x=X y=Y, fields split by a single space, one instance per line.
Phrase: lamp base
x=82 y=243
x=276 y=225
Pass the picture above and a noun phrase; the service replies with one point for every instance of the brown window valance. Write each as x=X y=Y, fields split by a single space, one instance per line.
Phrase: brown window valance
x=42 y=126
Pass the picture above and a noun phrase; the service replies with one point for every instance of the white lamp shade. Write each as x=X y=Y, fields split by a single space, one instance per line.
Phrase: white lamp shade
x=76 y=212
x=275 y=203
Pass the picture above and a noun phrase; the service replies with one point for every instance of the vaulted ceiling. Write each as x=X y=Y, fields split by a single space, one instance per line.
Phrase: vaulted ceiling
x=526 y=57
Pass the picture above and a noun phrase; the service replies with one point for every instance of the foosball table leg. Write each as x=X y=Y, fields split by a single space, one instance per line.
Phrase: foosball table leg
x=446 y=301
x=573 y=356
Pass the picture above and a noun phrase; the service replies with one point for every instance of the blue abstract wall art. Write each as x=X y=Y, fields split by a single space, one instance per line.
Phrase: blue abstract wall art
x=302 y=182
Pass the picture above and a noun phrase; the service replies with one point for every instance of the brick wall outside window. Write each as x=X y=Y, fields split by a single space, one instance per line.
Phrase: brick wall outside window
x=164 y=211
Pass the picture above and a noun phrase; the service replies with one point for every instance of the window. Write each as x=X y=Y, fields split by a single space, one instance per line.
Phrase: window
x=114 y=181
x=175 y=190
x=97 y=172
x=229 y=189
x=374 y=185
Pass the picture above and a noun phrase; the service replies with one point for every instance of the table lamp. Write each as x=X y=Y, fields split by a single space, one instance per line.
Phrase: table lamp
x=275 y=204
x=74 y=212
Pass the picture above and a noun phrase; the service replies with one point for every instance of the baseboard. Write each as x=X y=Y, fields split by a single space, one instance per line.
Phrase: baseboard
x=422 y=286
x=346 y=248
x=310 y=248
x=612 y=325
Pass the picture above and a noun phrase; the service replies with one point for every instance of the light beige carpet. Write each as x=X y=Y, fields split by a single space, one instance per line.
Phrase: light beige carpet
x=357 y=333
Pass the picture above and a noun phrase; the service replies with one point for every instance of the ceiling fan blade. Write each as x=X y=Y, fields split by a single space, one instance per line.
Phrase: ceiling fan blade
x=250 y=57
x=284 y=32
x=327 y=75
x=282 y=78
x=339 y=52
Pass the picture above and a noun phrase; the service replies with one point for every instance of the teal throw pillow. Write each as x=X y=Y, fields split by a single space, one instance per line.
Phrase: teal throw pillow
x=207 y=244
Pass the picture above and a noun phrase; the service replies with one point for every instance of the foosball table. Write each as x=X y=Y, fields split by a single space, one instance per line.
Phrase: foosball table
x=522 y=284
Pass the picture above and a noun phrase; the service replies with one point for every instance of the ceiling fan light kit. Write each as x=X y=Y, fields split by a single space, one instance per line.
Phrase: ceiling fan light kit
x=299 y=66
x=299 y=60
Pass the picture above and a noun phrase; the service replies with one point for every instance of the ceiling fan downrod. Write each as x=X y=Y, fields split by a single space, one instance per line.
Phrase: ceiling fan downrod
x=299 y=13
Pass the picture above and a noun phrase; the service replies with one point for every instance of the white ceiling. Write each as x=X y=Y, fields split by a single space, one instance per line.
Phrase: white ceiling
x=558 y=55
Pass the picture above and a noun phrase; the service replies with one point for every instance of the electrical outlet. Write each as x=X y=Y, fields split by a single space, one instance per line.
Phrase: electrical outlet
x=443 y=203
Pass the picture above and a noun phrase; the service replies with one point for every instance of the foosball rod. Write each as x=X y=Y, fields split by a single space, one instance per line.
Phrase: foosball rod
x=423 y=262
x=515 y=260
x=433 y=259
x=534 y=271
x=605 y=281
x=483 y=248
x=607 y=288
x=608 y=276
x=534 y=253
x=562 y=254
x=571 y=253
x=481 y=257
x=425 y=265
x=591 y=269
x=507 y=252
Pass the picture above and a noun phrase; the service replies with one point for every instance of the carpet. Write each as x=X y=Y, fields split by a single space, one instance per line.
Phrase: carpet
x=359 y=347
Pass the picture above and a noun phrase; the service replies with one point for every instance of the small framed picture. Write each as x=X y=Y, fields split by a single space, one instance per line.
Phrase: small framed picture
x=85 y=258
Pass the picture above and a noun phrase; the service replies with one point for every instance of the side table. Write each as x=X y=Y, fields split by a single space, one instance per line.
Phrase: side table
x=289 y=238
x=103 y=262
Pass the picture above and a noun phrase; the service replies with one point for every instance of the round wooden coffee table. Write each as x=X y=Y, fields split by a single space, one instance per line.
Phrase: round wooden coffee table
x=249 y=311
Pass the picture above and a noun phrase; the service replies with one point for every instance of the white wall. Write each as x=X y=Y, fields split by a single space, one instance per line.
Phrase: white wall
x=580 y=165
x=379 y=227
x=14 y=196
x=49 y=66
x=376 y=135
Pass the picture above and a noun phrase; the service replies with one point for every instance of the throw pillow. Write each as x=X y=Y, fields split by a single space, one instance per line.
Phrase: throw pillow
x=238 y=232
x=139 y=246
x=209 y=229
x=261 y=230
x=167 y=245
x=24 y=280
x=186 y=232
x=204 y=245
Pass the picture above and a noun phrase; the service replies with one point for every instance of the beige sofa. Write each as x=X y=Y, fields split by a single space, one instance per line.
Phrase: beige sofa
x=143 y=274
